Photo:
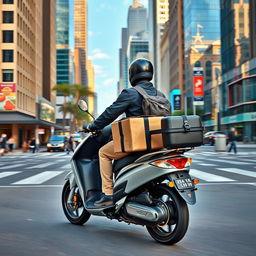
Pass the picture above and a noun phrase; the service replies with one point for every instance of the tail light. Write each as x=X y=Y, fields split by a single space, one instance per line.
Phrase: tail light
x=177 y=163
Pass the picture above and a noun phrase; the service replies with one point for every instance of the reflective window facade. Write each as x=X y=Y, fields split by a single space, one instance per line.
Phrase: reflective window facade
x=62 y=66
x=62 y=22
x=206 y=14
x=235 y=38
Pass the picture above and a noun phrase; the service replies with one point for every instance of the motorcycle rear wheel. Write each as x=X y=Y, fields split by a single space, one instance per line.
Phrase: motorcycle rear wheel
x=177 y=226
x=78 y=215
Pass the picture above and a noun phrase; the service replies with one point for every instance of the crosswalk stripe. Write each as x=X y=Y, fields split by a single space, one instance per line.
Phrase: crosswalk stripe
x=39 y=166
x=7 y=166
x=6 y=174
x=66 y=166
x=38 y=178
x=238 y=171
x=208 y=176
x=207 y=164
x=228 y=162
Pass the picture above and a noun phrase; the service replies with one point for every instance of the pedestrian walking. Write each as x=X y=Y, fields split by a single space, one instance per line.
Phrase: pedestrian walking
x=32 y=145
x=71 y=144
x=3 y=142
x=232 y=140
x=10 y=143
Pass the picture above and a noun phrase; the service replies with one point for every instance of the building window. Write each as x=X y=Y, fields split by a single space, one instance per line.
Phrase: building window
x=7 y=36
x=208 y=69
x=7 y=16
x=197 y=64
x=7 y=75
x=7 y=1
x=7 y=55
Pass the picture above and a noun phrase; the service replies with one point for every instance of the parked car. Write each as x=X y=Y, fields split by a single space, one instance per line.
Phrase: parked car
x=57 y=142
x=210 y=136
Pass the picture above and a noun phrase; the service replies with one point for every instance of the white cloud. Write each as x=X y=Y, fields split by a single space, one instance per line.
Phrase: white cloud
x=99 y=70
x=97 y=54
x=109 y=82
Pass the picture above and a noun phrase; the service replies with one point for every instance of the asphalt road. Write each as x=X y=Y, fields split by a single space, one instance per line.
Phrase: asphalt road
x=32 y=222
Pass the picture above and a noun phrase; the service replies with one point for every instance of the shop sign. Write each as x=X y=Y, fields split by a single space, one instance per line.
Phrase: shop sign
x=47 y=112
x=245 y=117
x=41 y=131
x=7 y=96
x=177 y=102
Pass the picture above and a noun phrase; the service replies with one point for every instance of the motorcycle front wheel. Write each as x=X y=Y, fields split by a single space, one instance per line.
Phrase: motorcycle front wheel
x=74 y=210
x=176 y=227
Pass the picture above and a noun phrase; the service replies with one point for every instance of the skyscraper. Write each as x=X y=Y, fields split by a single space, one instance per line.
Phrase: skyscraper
x=62 y=41
x=26 y=101
x=137 y=18
x=238 y=81
x=136 y=27
x=158 y=16
x=81 y=37
x=176 y=51
x=200 y=30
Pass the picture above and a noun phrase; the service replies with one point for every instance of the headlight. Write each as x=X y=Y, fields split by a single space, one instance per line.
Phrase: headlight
x=79 y=140
x=61 y=144
x=49 y=145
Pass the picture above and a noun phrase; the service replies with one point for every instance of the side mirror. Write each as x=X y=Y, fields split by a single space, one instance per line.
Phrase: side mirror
x=82 y=104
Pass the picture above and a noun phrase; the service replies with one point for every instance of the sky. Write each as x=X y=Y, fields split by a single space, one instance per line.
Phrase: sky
x=105 y=20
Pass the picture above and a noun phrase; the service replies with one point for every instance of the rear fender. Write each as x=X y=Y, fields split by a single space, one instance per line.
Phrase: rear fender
x=187 y=194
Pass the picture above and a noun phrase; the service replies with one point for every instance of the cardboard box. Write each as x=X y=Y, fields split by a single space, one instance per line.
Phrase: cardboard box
x=133 y=134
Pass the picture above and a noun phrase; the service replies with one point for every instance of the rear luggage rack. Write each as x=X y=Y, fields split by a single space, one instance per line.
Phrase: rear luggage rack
x=164 y=152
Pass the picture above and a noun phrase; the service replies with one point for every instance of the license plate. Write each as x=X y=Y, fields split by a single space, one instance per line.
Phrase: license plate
x=184 y=183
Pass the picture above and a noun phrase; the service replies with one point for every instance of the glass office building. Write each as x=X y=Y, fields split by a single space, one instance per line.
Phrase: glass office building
x=238 y=85
x=201 y=30
x=62 y=41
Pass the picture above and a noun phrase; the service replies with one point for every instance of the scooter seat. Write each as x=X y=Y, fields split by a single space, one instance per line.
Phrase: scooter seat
x=120 y=163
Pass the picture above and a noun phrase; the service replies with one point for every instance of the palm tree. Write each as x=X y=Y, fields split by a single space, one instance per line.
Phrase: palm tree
x=79 y=90
x=64 y=89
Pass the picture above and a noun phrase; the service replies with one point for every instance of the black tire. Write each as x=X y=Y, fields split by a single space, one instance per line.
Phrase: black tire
x=212 y=142
x=179 y=220
x=73 y=215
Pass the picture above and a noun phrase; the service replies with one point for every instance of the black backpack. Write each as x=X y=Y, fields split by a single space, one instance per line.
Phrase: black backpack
x=154 y=105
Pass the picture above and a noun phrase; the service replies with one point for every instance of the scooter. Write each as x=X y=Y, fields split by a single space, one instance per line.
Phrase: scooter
x=151 y=189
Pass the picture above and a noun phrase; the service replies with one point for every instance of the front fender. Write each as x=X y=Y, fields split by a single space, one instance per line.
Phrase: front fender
x=71 y=178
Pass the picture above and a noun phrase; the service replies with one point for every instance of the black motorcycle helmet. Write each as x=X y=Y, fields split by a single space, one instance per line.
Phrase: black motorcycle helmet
x=140 y=69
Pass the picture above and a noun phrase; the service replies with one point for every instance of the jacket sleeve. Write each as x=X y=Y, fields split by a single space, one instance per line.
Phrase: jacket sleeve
x=112 y=112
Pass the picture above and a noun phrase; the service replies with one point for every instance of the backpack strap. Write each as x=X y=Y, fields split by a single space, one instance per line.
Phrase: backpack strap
x=141 y=91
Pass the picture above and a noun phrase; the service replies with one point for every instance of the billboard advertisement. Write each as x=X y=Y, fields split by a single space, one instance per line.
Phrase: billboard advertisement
x=175 y=99
x=47 y=112
x=198 y=86
x=7 y=96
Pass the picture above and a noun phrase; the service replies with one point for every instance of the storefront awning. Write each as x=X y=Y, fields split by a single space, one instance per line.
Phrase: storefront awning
x=20 y=118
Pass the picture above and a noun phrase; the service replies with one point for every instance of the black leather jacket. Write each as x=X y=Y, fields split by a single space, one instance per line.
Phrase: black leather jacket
x=129 y=102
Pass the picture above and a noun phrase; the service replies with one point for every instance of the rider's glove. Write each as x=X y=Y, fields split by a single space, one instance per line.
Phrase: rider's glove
x=88 y=127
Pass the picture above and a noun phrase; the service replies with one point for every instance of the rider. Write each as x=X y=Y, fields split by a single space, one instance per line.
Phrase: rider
x=130 y=103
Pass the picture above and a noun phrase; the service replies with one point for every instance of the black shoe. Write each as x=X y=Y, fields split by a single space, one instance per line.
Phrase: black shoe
x=105 y=200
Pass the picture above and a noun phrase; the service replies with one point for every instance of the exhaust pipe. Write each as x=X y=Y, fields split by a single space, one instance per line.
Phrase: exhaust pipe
x=148 y=215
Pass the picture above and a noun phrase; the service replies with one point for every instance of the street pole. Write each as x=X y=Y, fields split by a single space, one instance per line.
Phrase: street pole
x=186 y=106
x=194 y=108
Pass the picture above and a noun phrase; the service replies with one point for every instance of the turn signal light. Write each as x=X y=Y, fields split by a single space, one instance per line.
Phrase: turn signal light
x=171 y=184
x=178 y=163
x=196 y=181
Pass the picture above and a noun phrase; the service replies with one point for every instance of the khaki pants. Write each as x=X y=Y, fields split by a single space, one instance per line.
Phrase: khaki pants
x=106 y=155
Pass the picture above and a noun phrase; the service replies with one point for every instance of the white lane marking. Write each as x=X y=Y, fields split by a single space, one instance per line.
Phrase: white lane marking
x=208 y=164
x=66 y=166
x=227 y=183
x=238 y=171
x=196 y=161
x=39 y=166
x=32 y=186
x=207 y=176
x=39 y=178
x=228 y=162
x=6 y=174
x=238 y=159
x=7 y=166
